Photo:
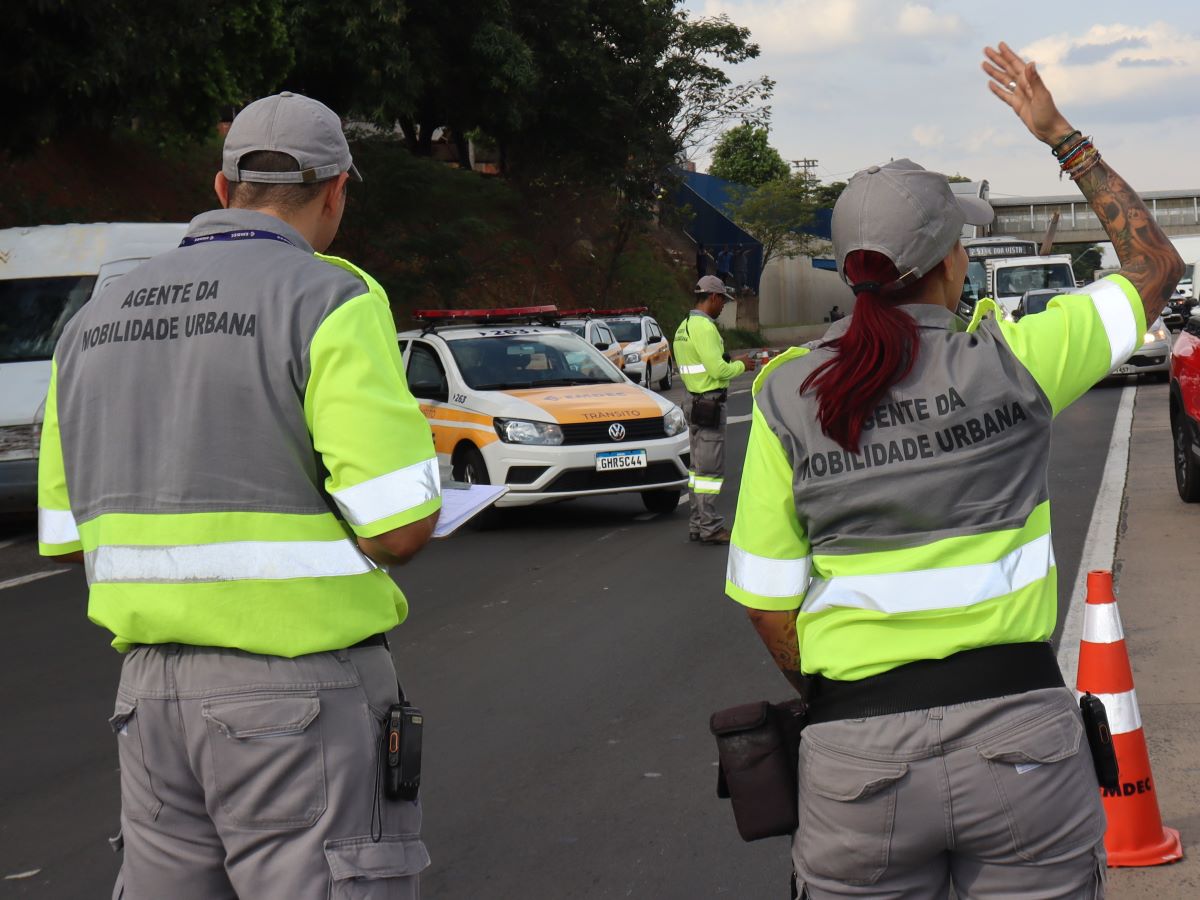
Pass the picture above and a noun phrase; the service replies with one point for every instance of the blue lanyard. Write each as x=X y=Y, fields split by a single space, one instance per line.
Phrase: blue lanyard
x=250 y=234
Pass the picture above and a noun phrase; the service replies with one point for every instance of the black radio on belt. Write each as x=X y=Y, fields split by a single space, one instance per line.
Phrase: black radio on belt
x=402 y=752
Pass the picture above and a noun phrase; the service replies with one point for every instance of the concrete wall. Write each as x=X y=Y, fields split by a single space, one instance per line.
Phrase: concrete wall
x=792 y=292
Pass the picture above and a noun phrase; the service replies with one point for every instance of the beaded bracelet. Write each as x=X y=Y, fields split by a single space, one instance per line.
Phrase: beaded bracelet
x=1090 y=163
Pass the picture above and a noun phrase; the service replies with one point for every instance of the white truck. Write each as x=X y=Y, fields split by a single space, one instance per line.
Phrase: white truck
x=47 y=273
x=1005 y=268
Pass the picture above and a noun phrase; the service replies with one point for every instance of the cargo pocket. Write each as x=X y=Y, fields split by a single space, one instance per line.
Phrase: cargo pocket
x=361 y=869
x=268 y=761
x=847 y=810
x=138 y=799
x=1046 y=786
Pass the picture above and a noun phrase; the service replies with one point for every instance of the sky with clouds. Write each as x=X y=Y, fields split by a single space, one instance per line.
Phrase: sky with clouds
x=862 y=81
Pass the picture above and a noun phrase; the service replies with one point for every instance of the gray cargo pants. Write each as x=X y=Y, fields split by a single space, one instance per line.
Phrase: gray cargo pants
x=998 y=797
x=707 y=474
x=254 y=777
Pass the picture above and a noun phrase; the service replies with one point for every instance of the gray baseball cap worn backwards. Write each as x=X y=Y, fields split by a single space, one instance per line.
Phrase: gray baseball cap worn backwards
x=305 y=129
x=711 y=284
x=905 y=212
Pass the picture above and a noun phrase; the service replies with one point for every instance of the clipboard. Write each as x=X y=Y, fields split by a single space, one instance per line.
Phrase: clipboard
x=461 y=502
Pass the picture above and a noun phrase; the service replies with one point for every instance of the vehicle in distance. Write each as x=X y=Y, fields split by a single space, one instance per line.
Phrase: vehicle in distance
x=1185 y=409
x=1034 y=302
x=595 y=331
x=47 y=272
x=513 y=399
x=646 y=353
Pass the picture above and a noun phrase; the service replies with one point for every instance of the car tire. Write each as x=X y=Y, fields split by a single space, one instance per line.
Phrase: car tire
x=1187 y=471
x=664 y=383
x=468 y=465
x=662 y=502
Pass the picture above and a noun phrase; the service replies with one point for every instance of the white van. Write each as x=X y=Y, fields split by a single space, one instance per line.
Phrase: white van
x=47 y=273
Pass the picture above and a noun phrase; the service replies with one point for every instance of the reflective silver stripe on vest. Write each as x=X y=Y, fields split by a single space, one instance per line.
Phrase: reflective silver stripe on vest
x=768 y=577
x=390 y=494
x=235 y=561
x=948 y=588
x=56 y=526
x=1119 y=322
x=692 y=370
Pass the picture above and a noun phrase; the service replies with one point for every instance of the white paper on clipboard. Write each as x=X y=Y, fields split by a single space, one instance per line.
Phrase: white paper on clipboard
x=460 y=504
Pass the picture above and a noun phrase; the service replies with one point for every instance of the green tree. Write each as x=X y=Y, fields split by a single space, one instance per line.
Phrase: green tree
x=744 y=156
x=164 y=67
x=958 y=179
x=775 y=214
x=1085 y=259
x=709 y=101
x=826 y=195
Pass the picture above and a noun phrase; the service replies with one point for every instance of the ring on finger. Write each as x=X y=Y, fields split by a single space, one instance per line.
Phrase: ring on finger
x=1012 y=86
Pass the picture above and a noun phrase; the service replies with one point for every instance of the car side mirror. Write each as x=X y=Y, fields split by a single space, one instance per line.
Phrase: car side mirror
x=657 y=339
x=601 y=345
x=429 y=390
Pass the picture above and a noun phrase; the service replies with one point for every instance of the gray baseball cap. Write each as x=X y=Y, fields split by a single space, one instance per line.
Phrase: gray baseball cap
x=711 y=284
x=905 y=212
x=305 y=129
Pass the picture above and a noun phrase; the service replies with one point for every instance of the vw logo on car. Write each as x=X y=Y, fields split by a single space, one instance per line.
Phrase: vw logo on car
x=616 y=431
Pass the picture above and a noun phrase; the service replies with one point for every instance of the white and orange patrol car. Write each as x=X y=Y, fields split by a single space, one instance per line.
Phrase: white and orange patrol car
x=644 y=347
x=595 y=331
x=513 y=399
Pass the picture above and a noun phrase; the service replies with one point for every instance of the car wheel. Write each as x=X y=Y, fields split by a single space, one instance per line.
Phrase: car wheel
x=664 y=383
x=1162 y=377
x=469 y=466
x=661 y=502
x=1187 y=472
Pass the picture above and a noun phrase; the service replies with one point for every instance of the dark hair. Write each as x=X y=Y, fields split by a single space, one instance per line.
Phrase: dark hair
x=286 y=198
x=875 y=353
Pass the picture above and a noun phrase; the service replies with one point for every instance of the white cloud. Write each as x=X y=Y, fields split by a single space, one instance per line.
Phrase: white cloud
x=1115 y=62
x=918 y=20
x=928 y=135
x=795 y=26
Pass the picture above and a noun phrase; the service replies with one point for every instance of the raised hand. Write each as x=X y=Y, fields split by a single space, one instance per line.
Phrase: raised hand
x=1018 y=84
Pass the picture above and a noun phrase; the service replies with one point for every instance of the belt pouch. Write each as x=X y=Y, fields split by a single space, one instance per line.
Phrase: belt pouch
x=757 y=748
x=706 y=412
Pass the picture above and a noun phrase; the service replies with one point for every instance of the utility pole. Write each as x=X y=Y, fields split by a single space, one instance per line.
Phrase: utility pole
x=808 y=165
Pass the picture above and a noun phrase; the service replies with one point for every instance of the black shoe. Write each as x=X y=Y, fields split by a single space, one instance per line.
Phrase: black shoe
x=693 y=535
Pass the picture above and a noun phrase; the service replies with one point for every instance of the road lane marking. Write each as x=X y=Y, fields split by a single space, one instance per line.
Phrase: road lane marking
x=11 y=542
x=1100 y=545
x=33 y=576
x=17 y=876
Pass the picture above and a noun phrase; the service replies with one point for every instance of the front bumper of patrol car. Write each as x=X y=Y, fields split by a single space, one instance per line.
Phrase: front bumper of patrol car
x=545 y=474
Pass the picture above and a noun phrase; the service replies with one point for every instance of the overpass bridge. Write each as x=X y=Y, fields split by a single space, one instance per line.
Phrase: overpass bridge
x=1177 y=211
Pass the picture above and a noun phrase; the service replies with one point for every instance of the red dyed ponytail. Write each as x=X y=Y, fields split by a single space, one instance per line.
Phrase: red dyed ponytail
x=876 y=351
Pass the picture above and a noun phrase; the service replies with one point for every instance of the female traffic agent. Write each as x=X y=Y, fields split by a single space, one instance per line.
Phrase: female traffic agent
x=893 y=545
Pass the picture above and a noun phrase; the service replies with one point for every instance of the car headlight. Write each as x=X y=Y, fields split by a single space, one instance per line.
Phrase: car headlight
x=674 y=421
x=519 y=431
x=633 y=358
x=1158 y=334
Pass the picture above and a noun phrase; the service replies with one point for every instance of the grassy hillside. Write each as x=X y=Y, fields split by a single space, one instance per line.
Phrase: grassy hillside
x=433 y=235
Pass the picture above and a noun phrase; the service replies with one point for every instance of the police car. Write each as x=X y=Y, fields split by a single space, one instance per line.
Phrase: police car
x=595 y=332
x=513 y=399
x=644 y=347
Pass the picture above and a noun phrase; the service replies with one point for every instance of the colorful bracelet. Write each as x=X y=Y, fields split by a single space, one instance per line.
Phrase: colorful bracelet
x=1092 y=161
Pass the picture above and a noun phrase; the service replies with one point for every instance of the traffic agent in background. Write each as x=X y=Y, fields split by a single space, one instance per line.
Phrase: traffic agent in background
x=514 y=399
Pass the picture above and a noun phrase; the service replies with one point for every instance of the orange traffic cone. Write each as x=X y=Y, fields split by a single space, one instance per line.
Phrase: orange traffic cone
x=1136 y=835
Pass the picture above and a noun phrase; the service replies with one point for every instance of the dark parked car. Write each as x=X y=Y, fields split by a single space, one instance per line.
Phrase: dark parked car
x=1185 y=409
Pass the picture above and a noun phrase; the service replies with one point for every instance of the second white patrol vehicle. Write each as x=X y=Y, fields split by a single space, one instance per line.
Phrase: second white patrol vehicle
x=513 y=400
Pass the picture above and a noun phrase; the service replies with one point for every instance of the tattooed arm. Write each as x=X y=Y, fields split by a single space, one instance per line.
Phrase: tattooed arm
x=778 y=632
x=1148 y=259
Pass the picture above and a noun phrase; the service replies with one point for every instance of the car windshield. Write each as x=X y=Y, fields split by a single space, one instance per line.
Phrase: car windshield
x=576 y=327
x=34 y=311
x=1016 y=280
x=626 y=330
x=976 y=284
x=536 y=360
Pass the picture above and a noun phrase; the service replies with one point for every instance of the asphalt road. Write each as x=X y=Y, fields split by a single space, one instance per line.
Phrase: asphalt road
x=567 y=663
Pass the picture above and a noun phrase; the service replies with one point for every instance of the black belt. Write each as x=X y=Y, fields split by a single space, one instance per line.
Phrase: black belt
x=375 y=640
x=721 y=394
x=979 y=674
